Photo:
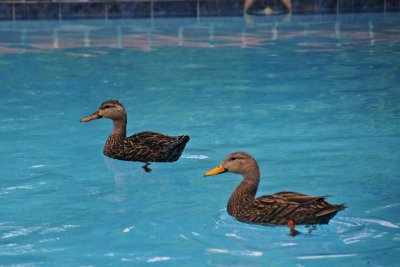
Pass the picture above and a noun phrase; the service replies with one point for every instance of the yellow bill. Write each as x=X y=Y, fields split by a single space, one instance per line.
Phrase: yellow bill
x=217 y=170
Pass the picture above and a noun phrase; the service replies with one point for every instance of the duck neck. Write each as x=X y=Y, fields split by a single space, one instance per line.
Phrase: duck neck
x=245 y=192
x=119 y=131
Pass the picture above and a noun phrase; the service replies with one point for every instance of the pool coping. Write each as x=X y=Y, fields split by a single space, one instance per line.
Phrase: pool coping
x=108 y=9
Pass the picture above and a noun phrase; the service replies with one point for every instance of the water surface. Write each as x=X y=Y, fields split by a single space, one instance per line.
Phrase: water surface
x=315 y=99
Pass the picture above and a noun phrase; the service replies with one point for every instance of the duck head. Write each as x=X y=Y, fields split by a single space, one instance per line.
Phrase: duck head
x=110 y=109
x=237 y=162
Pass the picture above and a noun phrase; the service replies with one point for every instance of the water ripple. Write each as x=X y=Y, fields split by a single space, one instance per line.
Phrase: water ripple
x=250 y=253
x=156 y=259
x=17 y=231
x=189 y=156
x=312 y=257
x=354 y=230
x=381 y=222
x=20 y=231
x=15 y=249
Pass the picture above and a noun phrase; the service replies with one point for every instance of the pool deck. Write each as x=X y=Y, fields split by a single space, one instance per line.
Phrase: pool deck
x=71 y=9
x=76 y=9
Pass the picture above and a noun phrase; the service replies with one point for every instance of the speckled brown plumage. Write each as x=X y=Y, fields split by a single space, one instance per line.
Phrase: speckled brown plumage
x=144 y=147
x=276 y=209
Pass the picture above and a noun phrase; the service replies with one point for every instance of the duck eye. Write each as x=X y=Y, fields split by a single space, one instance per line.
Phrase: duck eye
x=233 y=158
x=106 y=106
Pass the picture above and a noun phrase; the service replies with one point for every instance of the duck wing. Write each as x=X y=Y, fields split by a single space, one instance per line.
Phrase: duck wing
x=297 y=197
x=155 y=147
x=303 y=209
x=150 y=139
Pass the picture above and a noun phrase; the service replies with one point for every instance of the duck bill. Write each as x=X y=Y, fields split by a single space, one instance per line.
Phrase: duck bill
x=94 y=116
x=217 y=170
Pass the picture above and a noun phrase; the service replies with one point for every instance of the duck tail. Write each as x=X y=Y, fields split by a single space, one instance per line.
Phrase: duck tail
x=328 y=213
x=177 y=147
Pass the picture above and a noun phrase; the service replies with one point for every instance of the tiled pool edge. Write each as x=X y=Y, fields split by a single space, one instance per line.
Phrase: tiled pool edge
x=67 y=9
x=121 y=9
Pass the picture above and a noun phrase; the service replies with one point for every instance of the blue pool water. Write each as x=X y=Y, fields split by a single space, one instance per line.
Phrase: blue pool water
x=315 y=99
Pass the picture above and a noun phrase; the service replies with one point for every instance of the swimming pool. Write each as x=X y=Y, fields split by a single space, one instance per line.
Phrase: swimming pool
x=315 y=99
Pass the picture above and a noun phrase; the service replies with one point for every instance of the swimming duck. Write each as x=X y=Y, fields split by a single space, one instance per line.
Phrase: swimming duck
x=282 y=208
x=145 y=147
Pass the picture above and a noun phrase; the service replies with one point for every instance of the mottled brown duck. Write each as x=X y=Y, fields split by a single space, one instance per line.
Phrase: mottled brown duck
x=145 y=147
x=282 y=208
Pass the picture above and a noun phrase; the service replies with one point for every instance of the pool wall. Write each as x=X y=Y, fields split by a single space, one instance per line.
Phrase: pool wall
x=75 y=9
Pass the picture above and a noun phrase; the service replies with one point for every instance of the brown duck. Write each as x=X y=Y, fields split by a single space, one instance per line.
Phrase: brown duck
x=278 y=209
x=144 y=147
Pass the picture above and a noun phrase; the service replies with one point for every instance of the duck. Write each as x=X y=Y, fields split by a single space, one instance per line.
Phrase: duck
x=283 y=208
x=143 y=147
